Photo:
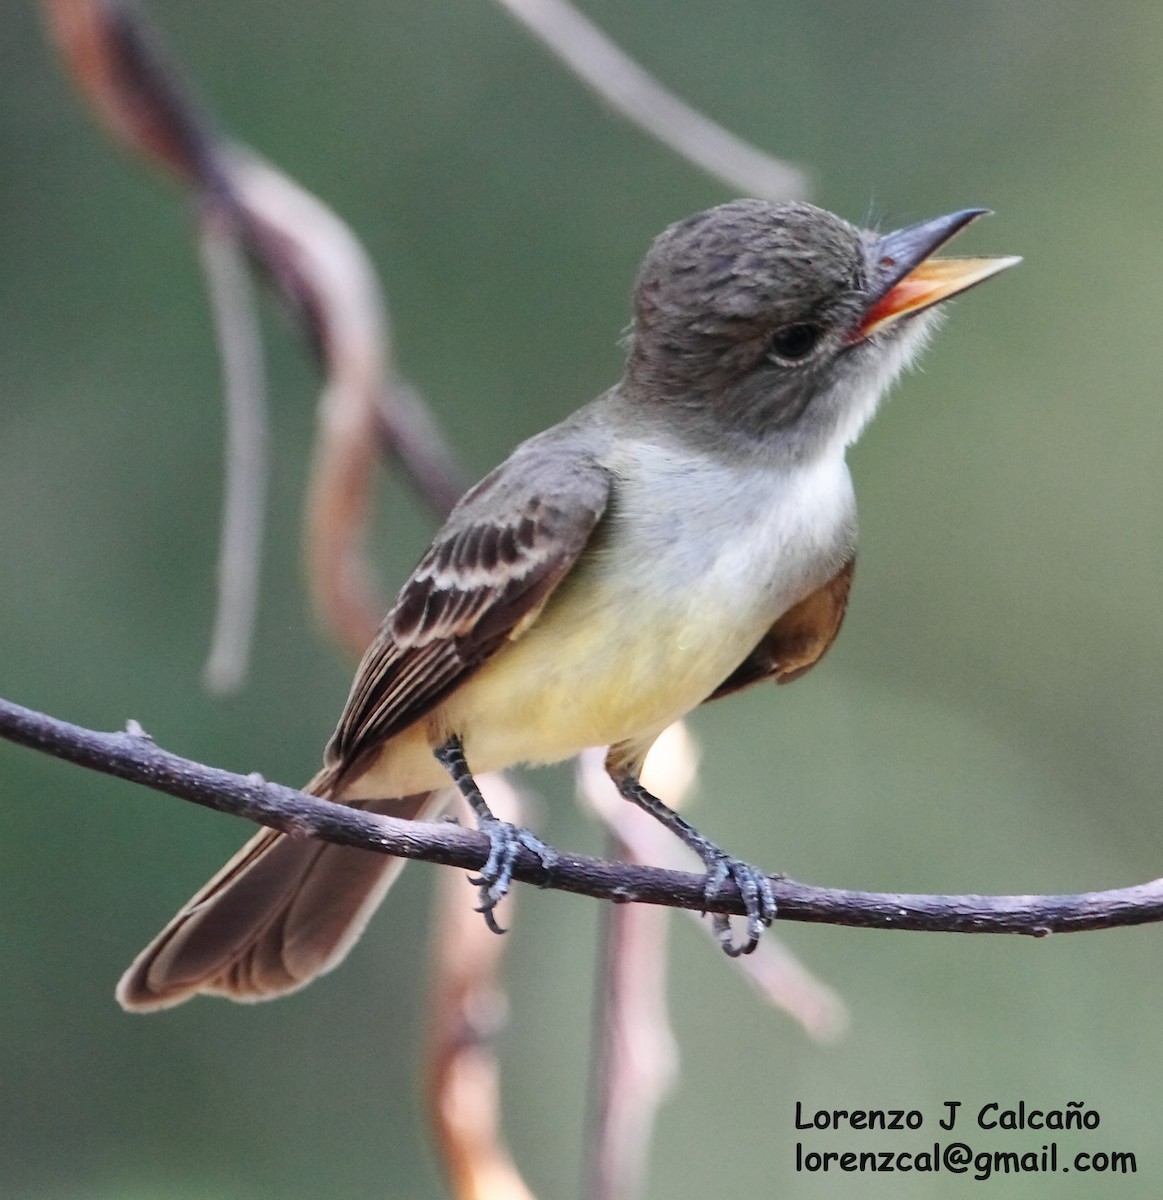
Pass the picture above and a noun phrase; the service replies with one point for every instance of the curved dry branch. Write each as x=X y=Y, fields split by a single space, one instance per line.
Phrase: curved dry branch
x=120 y=67
x=320 y=270
x=244 y=492
x=628 y=87
x=132 y=755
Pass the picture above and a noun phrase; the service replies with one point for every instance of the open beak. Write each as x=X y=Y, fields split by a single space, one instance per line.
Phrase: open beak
x=911 y=280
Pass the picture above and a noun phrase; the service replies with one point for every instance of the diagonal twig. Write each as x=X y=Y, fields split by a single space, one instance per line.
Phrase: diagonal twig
x=624 y=84
x=135 y=92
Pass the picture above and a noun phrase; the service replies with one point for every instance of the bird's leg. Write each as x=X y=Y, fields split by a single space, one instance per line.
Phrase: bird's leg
x=505 y=840
x=754 y=884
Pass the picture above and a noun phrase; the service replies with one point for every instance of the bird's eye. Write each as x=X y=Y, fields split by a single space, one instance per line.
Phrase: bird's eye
x=793 y=343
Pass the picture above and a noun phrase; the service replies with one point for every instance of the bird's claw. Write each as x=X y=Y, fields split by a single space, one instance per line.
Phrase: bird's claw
x=505 y=844
x=758 y=897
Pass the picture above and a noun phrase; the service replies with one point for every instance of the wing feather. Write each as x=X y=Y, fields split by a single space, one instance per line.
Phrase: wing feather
x=798 y=640
x=503 y=550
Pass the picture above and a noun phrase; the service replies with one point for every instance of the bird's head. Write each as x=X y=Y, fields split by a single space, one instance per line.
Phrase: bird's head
x=781 y=325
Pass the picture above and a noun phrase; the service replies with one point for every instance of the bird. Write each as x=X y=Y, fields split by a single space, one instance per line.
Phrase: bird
x=689 y=533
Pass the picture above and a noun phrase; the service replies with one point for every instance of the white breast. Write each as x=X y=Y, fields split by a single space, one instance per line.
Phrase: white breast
x=757 y=536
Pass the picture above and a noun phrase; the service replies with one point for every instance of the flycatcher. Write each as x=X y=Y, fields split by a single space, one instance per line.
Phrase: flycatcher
x=687 y=534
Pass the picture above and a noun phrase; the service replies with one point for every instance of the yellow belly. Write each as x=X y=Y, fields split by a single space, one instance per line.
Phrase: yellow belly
x=594 y=671
x=590 y=672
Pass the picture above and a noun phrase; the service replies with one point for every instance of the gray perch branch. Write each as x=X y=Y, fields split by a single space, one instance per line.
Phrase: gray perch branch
x=132 y=755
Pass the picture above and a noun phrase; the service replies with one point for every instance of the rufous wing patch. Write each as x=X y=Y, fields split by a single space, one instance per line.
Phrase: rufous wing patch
x=798 y=640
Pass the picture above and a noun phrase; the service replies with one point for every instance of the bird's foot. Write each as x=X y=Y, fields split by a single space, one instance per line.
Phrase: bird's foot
x=505 y=844
x=758 y=897
x=754 y=884
x=505 y=840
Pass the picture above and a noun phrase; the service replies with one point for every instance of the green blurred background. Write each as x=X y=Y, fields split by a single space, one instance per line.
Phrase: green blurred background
x=988 y=721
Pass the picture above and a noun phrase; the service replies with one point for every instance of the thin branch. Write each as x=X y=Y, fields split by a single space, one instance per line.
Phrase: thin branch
x=409 y=434
x=637 y=95
x=785 y=982
x=365 y=412
x=132 y=755
x=321 y=269
x=119 y=67
x=244 y=486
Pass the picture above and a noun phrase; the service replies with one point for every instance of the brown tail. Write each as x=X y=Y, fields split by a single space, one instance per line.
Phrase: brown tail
x=279 y=913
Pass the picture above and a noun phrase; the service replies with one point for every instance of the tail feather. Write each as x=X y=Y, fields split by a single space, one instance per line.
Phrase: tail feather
x=281 y=912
